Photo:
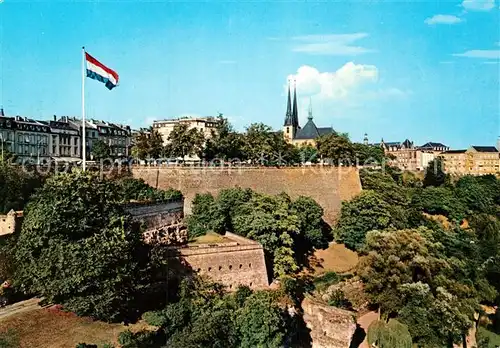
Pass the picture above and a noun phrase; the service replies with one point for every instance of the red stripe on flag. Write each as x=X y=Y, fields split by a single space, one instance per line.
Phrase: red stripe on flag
x=94 y=61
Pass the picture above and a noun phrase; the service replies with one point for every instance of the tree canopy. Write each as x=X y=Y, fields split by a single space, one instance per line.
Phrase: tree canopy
x=288 y=230
x=77 y=247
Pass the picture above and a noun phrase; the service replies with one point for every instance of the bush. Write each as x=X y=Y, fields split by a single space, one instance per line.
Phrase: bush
x=338 y=299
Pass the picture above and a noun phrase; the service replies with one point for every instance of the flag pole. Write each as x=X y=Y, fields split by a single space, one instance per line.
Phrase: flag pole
x=84 y=142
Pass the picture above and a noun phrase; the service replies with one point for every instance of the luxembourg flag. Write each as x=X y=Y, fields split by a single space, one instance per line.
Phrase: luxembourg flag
x=100 y=72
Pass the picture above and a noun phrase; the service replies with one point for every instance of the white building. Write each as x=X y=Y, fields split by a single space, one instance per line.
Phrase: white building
x=205 y=124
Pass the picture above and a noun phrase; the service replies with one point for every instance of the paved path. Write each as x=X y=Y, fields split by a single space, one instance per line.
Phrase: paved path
x=19 y=307
x=364 y=321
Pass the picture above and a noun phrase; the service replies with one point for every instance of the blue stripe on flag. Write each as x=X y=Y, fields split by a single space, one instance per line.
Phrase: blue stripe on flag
x=91 y=74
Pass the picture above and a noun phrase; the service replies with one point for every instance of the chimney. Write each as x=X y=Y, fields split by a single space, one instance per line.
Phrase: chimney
x=2 y=114
x=55 y=118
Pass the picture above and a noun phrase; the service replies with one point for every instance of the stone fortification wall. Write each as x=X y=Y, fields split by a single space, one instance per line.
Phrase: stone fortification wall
x=11 y=222
x=331 y=327
x=158 y=214
x=238 y=262
x=327 y=185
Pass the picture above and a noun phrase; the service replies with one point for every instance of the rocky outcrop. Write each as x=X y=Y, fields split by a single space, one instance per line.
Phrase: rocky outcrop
x=330 y=327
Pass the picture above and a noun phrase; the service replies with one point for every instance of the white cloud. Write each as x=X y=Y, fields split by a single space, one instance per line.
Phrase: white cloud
x=478 y=5
x=443 y=19
x=332 y=44
x=333 y=85
x=485 y=54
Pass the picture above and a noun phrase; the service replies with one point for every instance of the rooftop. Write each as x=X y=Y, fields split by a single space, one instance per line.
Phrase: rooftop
x=485 y=148
x=455 y=151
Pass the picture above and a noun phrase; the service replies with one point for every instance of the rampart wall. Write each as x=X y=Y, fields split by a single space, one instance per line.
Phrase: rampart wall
x=157 y=214
x=327 y=185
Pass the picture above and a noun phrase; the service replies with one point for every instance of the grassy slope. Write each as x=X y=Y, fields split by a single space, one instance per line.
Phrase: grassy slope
x=49 y=327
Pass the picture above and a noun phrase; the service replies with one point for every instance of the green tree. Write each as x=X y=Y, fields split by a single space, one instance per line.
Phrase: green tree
x=148 y=144
x=100 y=150
x=261 y=322
x=336 y=148
x=308 y=153
x=201 y=219
x=224 y=143
x=439 y=200
x=16 y=187
x=267 y=220
x=435 y=174
x=259 y=143
x=185 y=141
x=477 y=195
x=364 y=213
x=77 y=247
x=131 y=189
x=392 y=334
x=368 y=154
x=429 y=279
x=315 y=233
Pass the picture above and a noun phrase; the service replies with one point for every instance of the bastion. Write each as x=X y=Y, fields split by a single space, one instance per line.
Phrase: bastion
x=329 y=186
x=233 y=261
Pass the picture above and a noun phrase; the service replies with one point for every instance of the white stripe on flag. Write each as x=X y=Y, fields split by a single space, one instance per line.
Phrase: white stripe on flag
x=100 y=71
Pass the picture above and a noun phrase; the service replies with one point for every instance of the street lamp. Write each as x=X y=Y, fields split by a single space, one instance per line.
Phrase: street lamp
x=1 y=138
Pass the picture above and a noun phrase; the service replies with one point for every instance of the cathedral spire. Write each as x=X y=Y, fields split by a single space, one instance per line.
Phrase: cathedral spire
x=288 y=116
x=295 y=113
x=310 y=110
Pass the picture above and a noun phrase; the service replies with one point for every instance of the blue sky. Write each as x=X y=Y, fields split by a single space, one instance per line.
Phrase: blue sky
x=428 y=71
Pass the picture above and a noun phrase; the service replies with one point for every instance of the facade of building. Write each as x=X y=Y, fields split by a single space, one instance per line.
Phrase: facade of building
x=407 y=156
x=65 y=140
x=59 y=138
x=31 y=139
x=205 y=124
x=454 y=161
x=7 y=133
x=293 y=133
x=476 y=160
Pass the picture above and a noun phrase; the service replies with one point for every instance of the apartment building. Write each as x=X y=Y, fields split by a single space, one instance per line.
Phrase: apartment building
x=205 y=124
x=117 y=136
x=59 y=138
x=476 y=160
x=65 y=140
x=407 y=156
x=31 y=139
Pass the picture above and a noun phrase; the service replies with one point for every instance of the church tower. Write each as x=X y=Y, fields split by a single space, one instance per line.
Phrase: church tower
x=291 y=118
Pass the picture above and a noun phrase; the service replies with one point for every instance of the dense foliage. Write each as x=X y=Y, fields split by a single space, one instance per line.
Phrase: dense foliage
x=205 y=316
x=392 y=334
x=258 y=145
x=16 y=186
x=100 y=150
x=148 y=144
x=184 y=141
x=77 y=247
x=430 y=254
x=287 y=229
x=136 y=189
